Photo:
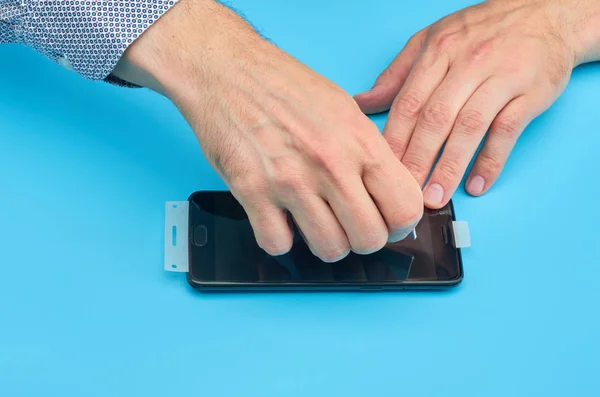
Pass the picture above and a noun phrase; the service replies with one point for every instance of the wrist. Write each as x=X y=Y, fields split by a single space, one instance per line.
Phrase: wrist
x=188 y=48
x=584 y=27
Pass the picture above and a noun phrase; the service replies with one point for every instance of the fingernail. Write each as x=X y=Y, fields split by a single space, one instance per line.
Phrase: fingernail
x=434 y=194
x=475 y=185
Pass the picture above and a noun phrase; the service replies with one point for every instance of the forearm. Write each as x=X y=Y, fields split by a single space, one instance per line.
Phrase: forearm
x=190 y=46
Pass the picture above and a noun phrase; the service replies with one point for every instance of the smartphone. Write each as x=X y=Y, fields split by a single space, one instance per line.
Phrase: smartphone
x=224 y=255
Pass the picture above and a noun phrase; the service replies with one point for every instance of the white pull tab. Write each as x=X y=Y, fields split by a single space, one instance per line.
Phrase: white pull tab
x=462 y=234
x=176 y=236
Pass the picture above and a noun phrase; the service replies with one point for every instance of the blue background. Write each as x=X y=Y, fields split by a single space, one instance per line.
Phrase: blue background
x=86 y=309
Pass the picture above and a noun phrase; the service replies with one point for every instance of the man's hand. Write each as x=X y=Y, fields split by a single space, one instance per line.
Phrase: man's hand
x=491 y=67
x=284 y=139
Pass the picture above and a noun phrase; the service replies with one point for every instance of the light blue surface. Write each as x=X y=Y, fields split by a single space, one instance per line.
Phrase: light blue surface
x=86 y=309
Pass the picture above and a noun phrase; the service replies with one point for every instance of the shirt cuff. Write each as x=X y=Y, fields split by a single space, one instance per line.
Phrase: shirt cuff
x=88 y=36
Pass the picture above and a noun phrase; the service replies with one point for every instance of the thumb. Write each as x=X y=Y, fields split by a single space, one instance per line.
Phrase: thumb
x=388 y=84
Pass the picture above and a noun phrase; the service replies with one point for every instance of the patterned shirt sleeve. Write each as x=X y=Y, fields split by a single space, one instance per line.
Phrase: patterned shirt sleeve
x=87 y=36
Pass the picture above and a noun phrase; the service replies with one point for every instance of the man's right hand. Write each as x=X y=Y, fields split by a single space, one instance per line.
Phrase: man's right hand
x=285 y=139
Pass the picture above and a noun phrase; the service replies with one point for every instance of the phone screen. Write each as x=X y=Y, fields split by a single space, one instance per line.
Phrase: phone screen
x=224 y=253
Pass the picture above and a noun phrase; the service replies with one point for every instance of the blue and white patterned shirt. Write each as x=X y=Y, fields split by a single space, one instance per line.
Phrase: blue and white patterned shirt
x=87 y=36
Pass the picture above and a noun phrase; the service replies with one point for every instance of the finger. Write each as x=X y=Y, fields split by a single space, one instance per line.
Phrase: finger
x=271 y=228
x=437 y=118
x=358 y=215
x=396 y=193
x=388 y=84
x=471 y=125
x=502 y=136
x=427 y=74
x=322 y=232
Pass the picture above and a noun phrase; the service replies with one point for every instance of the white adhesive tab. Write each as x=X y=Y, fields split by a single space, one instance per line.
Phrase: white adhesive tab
x=462 y=234
x=176 y=236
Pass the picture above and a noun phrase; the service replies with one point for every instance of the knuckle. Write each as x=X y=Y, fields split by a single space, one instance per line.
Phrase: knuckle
x=449 y=170
x=289 y=185
x=413 y=213
x=374 y=166
x=324 y=157
x=489 y=164
x=318 y=150
x=409 y=105
x=418 y=38
x=413 y=163
x=371 y=241
x=507 y=127
x=436 y=115
x=407 y=216
x=397 y=143
x=444 y=41
x=275 y=246
x=249 y=187
x=374 y=151
x=482 y=50
x=333 y=255
x=287 y=178
x=281 y=166
x=471 y=122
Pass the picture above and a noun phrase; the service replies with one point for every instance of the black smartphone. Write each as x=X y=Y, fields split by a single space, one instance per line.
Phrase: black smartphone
x=224 y=255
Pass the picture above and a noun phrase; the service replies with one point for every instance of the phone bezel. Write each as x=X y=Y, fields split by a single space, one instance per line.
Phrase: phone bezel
x=216 y=286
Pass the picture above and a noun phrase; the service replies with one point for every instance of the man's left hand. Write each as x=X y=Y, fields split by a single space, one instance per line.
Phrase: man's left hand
x=491 y=67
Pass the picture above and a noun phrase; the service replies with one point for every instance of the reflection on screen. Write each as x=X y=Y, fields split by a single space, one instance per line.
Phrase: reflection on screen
x=237 y=258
